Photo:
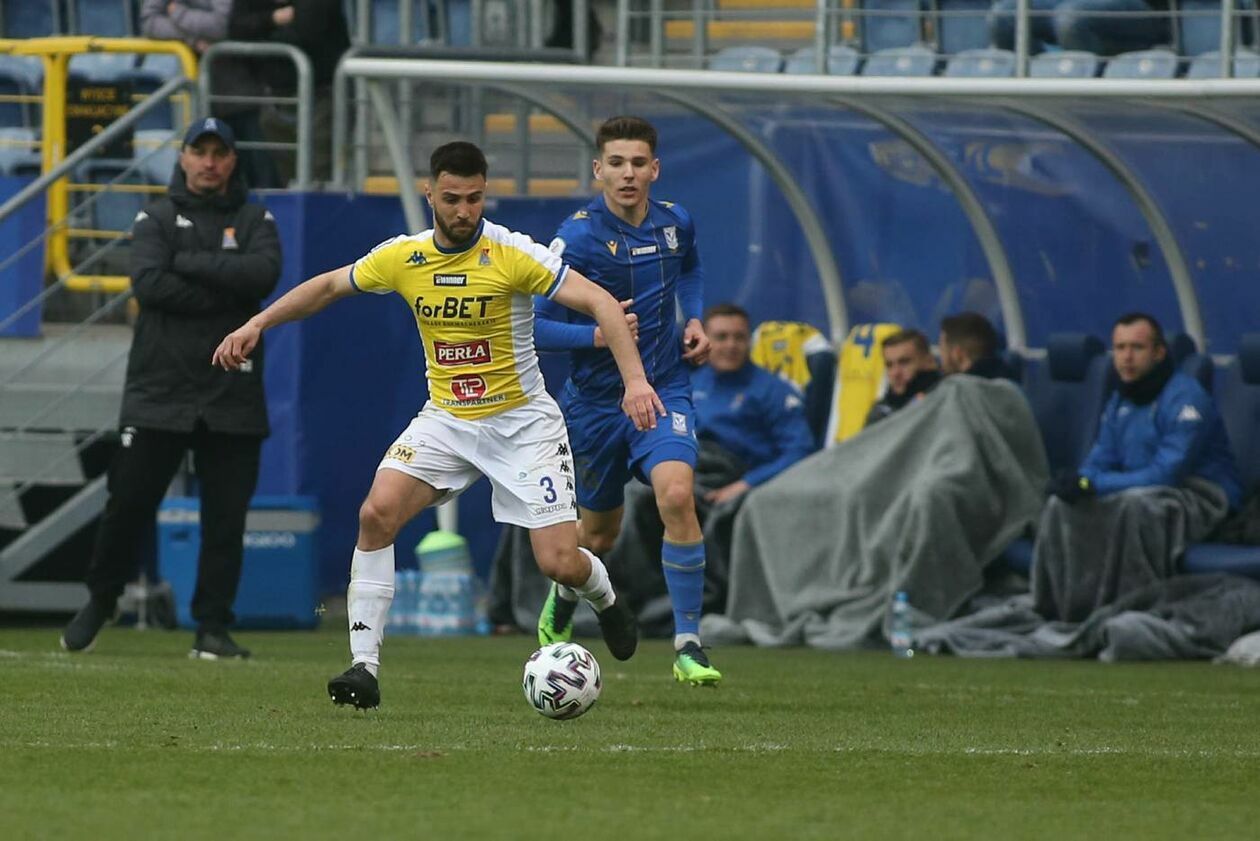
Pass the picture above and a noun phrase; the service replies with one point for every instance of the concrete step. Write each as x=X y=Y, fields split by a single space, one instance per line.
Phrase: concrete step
x=97 y=352
x=55 y=406
x=49 y=458
x=11 y=516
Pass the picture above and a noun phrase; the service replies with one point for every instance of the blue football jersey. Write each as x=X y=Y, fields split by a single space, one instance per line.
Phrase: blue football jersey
x=657 y=264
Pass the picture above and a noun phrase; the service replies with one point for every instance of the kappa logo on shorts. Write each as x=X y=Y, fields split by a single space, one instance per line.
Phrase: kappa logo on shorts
x=400 y=453
x=476 y=352
x=468 y=387
x=680 y=422
x=563 y=449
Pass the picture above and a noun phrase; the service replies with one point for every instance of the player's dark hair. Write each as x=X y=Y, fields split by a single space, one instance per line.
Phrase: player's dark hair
x=625 y=128
x=1134 y=317
x=726 y=309
x=459 y=157
x=972 y=332
x=901 y=337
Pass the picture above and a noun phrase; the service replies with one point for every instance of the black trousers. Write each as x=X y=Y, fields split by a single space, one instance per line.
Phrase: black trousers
x=227 y=470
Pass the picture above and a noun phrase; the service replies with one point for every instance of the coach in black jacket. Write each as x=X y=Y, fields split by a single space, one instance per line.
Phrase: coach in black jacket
x=202 y=261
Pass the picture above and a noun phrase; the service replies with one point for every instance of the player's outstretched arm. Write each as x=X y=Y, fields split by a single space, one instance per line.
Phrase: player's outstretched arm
x=301 y=301
x=640 y=402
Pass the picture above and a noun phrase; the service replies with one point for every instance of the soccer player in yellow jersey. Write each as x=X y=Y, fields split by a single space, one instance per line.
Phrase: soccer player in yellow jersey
x=469 y=283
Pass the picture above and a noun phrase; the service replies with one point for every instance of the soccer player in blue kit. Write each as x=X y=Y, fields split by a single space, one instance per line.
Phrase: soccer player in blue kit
x=644 y=253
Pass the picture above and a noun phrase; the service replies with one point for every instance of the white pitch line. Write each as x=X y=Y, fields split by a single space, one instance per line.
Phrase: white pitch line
x=438 y=750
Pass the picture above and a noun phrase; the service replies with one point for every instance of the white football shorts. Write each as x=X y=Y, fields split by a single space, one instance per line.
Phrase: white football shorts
x=524 y=452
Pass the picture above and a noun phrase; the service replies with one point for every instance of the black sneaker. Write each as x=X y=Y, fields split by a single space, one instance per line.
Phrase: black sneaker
x=80 y=634
x=217 y=645
x=620 y=629
x=357 y=686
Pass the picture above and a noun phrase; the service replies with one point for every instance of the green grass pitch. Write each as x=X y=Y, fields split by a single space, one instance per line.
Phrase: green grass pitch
x=134 y=740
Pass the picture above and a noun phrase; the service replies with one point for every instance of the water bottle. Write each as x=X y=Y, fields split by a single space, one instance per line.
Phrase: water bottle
x=900 y=633
x=449 y=603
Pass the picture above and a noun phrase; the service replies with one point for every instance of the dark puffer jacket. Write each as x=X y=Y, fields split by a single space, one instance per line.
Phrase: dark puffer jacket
x=200 y=267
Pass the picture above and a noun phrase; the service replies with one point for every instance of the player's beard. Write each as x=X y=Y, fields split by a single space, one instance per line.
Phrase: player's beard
x=451 y=235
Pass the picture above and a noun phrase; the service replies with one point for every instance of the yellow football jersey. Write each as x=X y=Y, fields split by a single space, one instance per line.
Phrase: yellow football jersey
x=783 y=348
x=474 y=310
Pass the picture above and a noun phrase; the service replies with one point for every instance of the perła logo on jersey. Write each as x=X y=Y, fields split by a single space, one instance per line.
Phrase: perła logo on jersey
x=462 y=353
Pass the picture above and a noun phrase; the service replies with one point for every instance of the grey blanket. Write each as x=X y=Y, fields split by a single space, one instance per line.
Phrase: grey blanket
x=921 y=501
x=1186 y=616
x=1091 y=553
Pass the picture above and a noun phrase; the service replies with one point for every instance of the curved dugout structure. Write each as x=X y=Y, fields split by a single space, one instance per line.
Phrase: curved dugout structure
x=1046 y=215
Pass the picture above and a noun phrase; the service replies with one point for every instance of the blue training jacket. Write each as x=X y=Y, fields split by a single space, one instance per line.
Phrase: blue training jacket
x=656 y=264
x=755 y=415
x=1165 y=442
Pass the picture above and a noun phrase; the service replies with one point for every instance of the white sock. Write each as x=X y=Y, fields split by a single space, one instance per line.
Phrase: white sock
x=682 y=639
x=598 y=589
x=367 y=604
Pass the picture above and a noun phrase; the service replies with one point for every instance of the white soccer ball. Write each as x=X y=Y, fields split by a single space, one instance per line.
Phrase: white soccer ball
x=561 y=680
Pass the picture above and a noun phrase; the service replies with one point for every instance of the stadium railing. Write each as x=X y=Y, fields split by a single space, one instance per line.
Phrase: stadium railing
x=302 y=103
x=55 y=55
x=687 y=34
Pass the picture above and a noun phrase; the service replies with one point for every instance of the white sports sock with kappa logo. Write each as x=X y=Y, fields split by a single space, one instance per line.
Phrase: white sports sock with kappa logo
x=368 y=599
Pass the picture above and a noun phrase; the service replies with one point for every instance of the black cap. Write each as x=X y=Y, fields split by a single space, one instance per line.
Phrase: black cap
x=211 y=125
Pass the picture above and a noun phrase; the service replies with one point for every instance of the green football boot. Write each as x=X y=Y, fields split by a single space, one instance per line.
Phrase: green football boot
x=555 y=623
x=692 y=666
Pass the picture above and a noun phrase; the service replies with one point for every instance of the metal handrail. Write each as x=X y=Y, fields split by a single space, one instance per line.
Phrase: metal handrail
x=111 y=133
x=305 y=95
x=61 y=282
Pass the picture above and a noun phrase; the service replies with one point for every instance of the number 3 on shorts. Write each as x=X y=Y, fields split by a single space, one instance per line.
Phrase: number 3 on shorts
x=550 y=488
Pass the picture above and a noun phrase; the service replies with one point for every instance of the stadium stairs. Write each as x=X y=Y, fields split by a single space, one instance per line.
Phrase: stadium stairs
x=58 y=414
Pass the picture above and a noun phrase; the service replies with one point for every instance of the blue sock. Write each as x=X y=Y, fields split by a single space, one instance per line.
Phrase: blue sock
x=684 y=576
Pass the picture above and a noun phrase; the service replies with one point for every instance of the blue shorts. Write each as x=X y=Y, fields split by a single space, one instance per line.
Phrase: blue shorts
x=608 y=450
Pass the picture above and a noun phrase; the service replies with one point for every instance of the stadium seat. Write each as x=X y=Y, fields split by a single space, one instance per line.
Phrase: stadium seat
x=18 y=77
x=1143 y=64
x=901 y=61
x=108 y=18
x=1186 y=357
x=1067 y=64
x=1238 y=396
x=842 y=60
x=1067 y=391
x=151 y=74
x=18 y=152
x=750 y=59
x=156 y=154
x=386 y=17
x=891 y=23
x=1208 y=65
x=102 y=67
x=962 y=25
x=30 y=18
x=987 y=63
x=112 y=210
x=1199 y=22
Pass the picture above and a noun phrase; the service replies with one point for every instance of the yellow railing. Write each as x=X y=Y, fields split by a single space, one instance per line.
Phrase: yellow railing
x=55 y=54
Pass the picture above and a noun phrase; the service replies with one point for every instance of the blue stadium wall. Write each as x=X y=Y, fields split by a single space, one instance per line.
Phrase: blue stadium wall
x=344 y=383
